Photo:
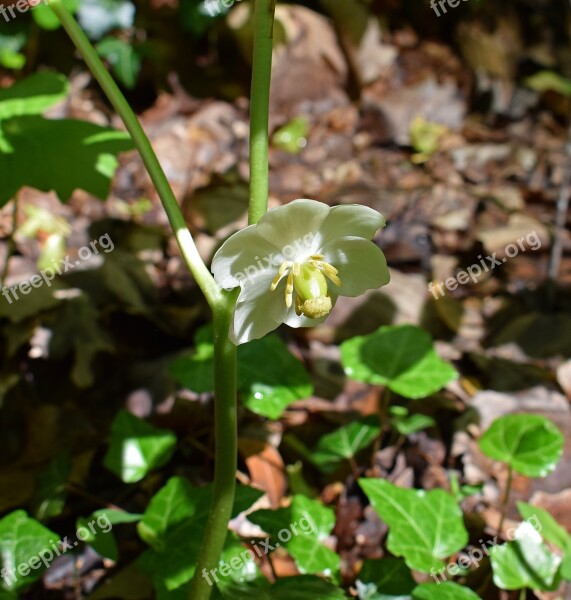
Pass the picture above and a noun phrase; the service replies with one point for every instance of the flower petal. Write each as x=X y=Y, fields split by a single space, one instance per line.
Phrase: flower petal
x=294 y=228
x=253 y=319
x=361 y=265
x=351 y=220
x=296 y=321
x=243 y=256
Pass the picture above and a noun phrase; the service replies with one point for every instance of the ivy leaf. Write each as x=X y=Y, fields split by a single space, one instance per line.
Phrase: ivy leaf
x=66 y=155
x=173 y=525
x=103 y=540
x=551 y=531
x=33 y=96
x=447 y=590
x=306 y=523
x=23 y=539
x=137 y=447
x=402 y=357
x=425 y=527
x=531 y=444
x=266 y=391
x=385 y=579
x=526 y=562
x=345 y=442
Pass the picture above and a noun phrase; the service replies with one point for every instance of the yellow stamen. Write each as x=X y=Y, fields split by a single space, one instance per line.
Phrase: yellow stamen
x=289 y=290
x=281 y=272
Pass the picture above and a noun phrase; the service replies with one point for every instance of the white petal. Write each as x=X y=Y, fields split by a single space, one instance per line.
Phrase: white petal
x=243 y=256
x=253 y=319
x=296 y=321
x=294 y=228
x=361 y=265
x=351 y=220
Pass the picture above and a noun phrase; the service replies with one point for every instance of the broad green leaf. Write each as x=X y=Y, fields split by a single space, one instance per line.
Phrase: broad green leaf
x=301 y=529
x=66 y=154
x=137 y=447
x=22 y=540
x=548 y=81
x=447 y=590
x=173 y=525
x=525 y=563
x=124 y=59
x=266 y=391
x=33 y=95
x=424 y=527
x=531 y=444
x=50 y=492
x=402 y=357
x=346 y=442
x=385 y=579
x=96 y=530
x=550 y=531
x=407 y=424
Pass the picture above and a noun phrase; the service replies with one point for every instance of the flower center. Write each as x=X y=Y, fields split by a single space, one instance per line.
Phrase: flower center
x=308 y=281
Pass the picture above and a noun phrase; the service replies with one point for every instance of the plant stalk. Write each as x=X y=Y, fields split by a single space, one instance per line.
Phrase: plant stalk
x=260 y=108
x=200 y=272
x=226 y=431
x=506 y=499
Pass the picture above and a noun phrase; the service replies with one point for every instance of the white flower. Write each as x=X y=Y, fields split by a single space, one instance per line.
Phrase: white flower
x=294 y=263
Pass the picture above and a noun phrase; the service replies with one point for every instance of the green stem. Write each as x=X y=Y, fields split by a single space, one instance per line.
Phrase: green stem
x=260 y=108
x=201 y=274
x=506 y=499
x=226 y=454
x=523 y=594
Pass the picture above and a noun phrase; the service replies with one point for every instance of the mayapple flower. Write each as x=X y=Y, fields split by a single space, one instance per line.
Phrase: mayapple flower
x=294 y=263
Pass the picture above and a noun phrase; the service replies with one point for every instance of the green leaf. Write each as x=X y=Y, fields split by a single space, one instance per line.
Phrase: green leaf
x=385 y=579
x=33 y=95
x=525 y=563
x=124 y=59
x=447 y=590
x=531 y=444
x=548 y=81
x=424 y=527
x=137 y=447
x=97 y=530
x=266 y=391
x=345 y=442
x=313 y=523
x=173 y=525
x=407 y=424
x=66 y=154
x=45 y=17
x=402 y=357
x=50 y=492
x=551 y=531
x=23 y=539
x=292 y=137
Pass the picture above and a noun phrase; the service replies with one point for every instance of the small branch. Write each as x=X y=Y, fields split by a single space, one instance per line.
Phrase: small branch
x=506 y=499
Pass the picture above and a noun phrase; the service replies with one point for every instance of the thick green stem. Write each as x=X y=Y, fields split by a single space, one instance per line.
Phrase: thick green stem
x=201 y=274
x=260 y=108
x=226 y=455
